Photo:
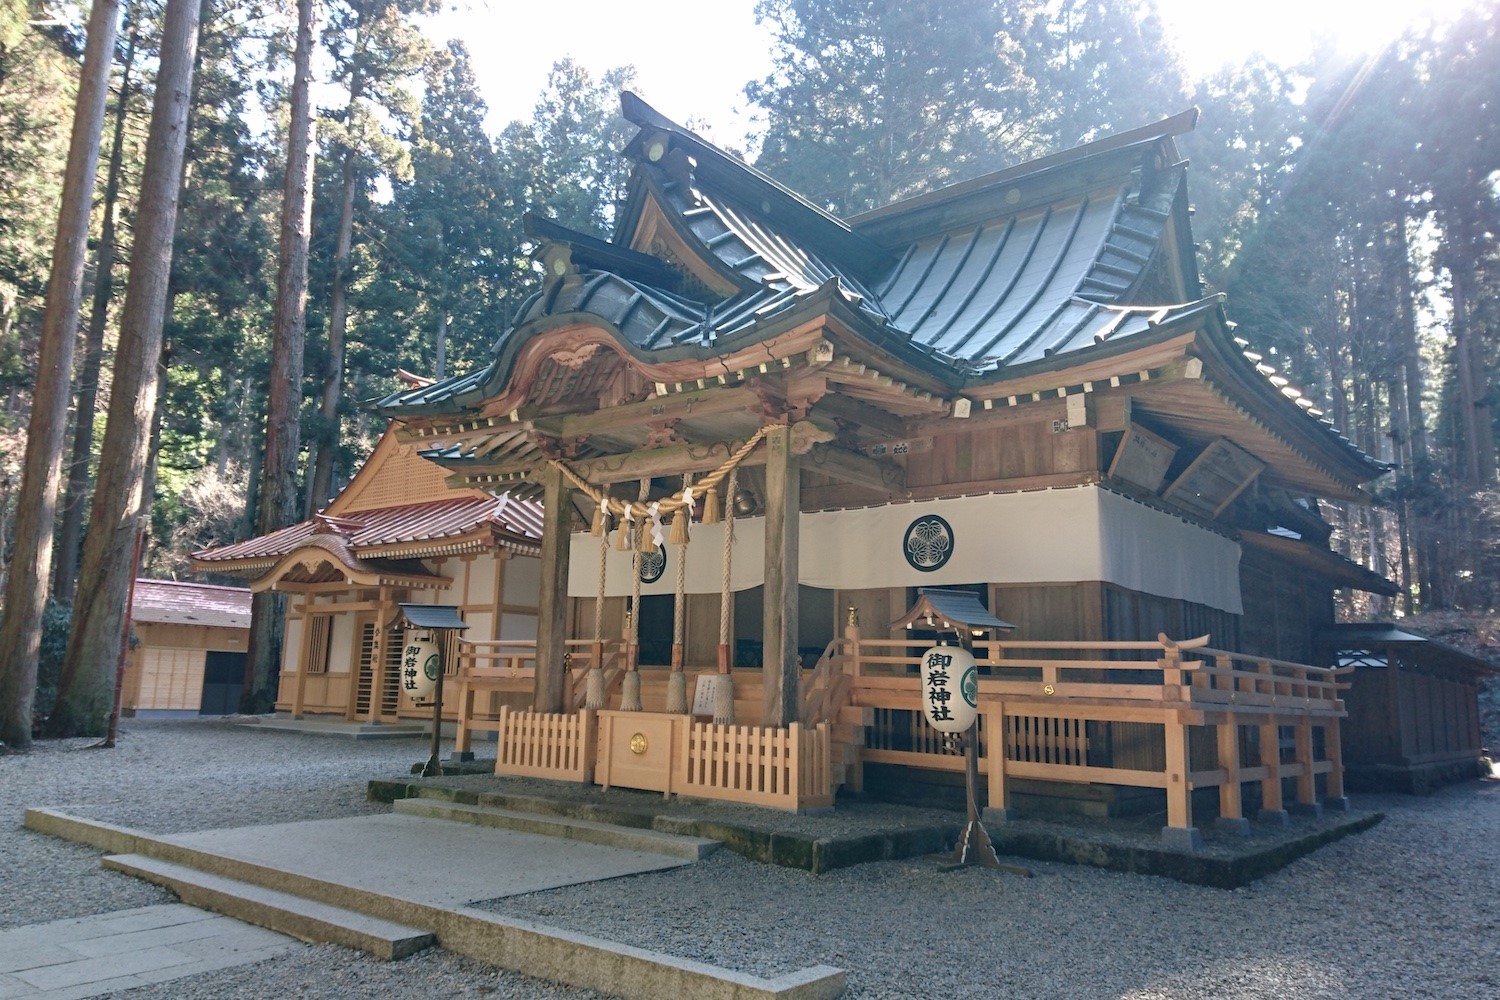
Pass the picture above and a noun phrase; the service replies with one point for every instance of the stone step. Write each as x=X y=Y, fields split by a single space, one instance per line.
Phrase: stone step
x=298 y=916
x=583 y=830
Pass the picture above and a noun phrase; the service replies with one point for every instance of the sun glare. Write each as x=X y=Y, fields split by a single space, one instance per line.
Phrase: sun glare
x=1211 y=35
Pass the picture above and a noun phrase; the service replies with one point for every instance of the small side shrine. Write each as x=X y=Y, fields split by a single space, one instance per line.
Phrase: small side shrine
x=1413 y=707
x=741 y=413
x=395 y=533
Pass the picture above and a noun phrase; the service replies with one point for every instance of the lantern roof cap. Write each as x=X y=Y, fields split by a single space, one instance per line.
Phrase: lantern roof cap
x=432 y=616
x=951 y=610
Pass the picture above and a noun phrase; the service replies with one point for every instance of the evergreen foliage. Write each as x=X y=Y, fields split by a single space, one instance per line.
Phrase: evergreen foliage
x=1351 y=212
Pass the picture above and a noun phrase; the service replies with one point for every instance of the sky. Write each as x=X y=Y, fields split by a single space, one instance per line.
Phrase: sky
x=693 y=57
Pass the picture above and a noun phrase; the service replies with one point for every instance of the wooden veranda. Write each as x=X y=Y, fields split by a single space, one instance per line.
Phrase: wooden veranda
x=1170 y=715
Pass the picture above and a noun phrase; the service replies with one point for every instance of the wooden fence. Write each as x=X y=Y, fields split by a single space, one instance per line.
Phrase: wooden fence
x=759 y=765
x=1164 y=714
x=545 y=745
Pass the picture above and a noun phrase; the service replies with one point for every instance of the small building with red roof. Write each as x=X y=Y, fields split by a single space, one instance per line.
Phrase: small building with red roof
x=396 y=534
x=189 y=653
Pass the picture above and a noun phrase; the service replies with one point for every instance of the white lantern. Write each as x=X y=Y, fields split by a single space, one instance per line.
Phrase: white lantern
x=421 y=660
x=950 y=688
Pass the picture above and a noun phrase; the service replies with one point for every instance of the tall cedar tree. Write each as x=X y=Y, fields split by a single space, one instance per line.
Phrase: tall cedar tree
x=106 y=253
x=86 y=687
x=277 y=506
x=218 y=322
x=873 y=100
x=445 y=220
x=26 y=585
x=376 y=50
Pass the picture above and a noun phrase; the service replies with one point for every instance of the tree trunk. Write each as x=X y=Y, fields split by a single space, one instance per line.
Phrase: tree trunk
x=1411 y=351
x=86 y=688
x=277 y=501
x=31 y=556
x=320 y=481
x=65 y=566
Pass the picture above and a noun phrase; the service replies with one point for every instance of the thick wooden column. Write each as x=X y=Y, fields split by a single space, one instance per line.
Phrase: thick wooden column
x=781 y=670
x=549 y=689
x=300 y=693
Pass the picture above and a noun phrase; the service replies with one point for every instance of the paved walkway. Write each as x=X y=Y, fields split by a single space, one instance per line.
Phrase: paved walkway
x=426 y=860
x=89 y=956
x=433 y=861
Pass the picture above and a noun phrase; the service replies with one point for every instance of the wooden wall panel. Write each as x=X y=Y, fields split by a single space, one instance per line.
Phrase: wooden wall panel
x=171 y=679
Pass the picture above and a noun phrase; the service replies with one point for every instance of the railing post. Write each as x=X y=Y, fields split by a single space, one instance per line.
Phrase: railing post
x=1231 y=808
x=1335 y=798
x=1179 y=832
x=461 y=734
x=1271 y=808
x=1307 y=793
x=998 y=810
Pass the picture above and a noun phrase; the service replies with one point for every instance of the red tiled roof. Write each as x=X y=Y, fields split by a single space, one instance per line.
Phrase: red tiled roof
x=399 y=531
x=173 y=602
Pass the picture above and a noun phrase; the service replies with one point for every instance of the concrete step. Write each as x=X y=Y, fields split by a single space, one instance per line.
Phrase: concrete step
x=586 y=831
x=298 y=916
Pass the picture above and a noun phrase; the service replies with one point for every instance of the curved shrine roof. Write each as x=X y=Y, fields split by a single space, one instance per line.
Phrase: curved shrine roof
x=1033 y=269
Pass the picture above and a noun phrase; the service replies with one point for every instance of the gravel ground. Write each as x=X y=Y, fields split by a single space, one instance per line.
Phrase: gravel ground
x=1408 y=909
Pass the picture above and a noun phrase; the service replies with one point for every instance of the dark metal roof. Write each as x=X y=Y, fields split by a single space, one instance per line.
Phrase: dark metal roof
x=951 y=608
x=432 y=616
x=1028 y=270
x=1356 y=636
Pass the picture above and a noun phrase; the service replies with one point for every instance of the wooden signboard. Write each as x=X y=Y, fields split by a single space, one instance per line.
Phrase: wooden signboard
x=1142 y=458
x=1215 y=478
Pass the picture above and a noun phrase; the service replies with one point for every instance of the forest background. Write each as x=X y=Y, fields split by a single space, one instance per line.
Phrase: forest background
x=1350 y=209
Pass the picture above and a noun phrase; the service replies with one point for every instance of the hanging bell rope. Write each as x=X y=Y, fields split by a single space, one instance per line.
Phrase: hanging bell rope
x=724 y=682
x=634 y=513
x=630 y=689
x=594 y=695
x=677 y=679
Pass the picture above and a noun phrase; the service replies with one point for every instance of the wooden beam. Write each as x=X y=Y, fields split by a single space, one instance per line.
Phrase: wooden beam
x=840 y=463
x=550 y=682
x=865 y=418
x=700 y=403
x=780 y=666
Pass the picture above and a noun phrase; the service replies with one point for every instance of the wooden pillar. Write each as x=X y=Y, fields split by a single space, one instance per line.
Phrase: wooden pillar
x=1331 y=739
x=998 y=809
x=1230 y=806
x=549 y=690
x=299 y=691
x=1307 y=793
x=781 y=671
x=1270 y=759
x=1179 y=783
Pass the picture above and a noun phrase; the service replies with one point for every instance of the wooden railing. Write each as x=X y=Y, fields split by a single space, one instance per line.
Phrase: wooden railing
x=1164 y=714
x=490 y=669
x=546 y=745
x=759 y=765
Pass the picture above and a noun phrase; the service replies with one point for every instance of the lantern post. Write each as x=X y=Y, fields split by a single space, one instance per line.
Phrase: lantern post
x=950 y=701
x=422 y=663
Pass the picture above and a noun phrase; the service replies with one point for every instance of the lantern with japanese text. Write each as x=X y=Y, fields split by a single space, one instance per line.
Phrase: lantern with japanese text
x=421 y=660
x=950 y=688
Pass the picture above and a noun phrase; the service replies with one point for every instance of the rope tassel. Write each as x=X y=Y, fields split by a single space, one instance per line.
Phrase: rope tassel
x=679 y=532
x=711 y=506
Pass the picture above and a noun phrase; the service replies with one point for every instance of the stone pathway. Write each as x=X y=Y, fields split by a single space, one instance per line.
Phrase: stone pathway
x=90 y=956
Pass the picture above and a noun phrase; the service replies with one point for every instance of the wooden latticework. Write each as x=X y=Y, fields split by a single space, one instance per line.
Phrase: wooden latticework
x=546 y=745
